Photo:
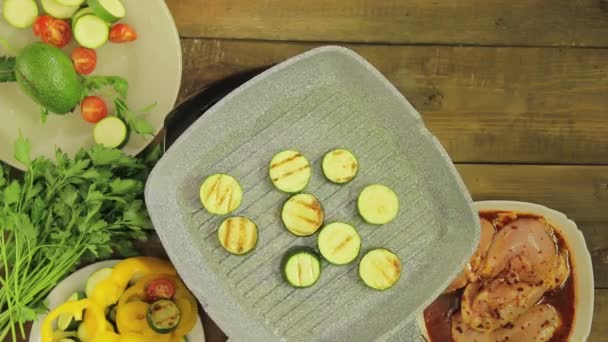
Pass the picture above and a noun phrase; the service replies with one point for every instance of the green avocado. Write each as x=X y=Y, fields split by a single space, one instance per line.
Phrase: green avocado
x=46 y=74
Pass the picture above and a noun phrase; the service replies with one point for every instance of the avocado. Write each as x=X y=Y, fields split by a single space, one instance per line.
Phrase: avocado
x=46 y=74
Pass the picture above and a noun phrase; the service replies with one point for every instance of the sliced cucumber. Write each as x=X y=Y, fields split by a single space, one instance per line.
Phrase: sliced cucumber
x=238 y=235
x=58 y=10
x=340 y=166
x=111 y=132
x=68 y=321
x=81 y=12
x=380 y=269
x=339 y=243
x=20 y=13
x=302 y=214
x=108 y=10
x=71 y=2
x=163 y=316
x=221 y=194
x=95 y=278
x=289 y=171
x=301 y=267
x=378 y=204
x=90 y=31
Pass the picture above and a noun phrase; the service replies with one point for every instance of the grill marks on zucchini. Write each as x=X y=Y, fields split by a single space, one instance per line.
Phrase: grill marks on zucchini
x=163 y=316
x=380 y=269
x=238 y=235
x=302 y=214
x=221 y=194
x=339 y=243
x=301 y=267
x=340 y=166
x=289 y=171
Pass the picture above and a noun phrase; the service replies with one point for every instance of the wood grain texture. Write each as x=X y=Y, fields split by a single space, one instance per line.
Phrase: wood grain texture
x=599 y=328
x=515 y=105
x=474 y=22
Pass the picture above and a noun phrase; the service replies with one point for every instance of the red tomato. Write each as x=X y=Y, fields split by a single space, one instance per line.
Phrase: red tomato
x=41 y=24
x=93 y=109
x=161 y=288
x=84 y=60
x=58 y=33
x=122 y=33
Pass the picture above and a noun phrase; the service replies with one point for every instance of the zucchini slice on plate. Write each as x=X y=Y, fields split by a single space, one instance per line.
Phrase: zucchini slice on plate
x=301 y=267
x=289 y=171
x=238 y=235
x=380 y=269
x=58 y=10
x=111 y=132
x=378 y=204
x=221 y=194
x=96 y=278
x=91 y=31
x=69 y=321
x=163 y=316
x=302 y=214
x=339 y=243
x=108 y=10
x=340 y=166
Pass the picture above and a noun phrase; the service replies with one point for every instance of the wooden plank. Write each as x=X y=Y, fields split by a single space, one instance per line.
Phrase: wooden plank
x=516 y=105
x=470 y=22
x=599 y=328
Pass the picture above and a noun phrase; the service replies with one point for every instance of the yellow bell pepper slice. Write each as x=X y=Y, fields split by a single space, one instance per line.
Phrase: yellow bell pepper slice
x=97 y=318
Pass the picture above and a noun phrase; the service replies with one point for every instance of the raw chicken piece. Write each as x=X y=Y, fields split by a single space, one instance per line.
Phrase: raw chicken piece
x=524 y=250
x=560 y=273
x=536 y=325
x=469 y=273
x=490 y=306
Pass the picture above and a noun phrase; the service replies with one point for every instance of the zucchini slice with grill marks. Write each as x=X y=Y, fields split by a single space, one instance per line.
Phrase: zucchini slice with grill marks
x=221 y=194
x=289 y=171
x=378 y=204
x=339 y=243
x=340 y=166
x=301 y=267
x=380 y=269
x=163 y=316
x=302 y=214
x=238 y=235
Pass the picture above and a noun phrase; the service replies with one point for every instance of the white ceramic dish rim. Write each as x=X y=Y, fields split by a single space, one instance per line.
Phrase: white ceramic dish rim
x=579 y=256
x=75 y=282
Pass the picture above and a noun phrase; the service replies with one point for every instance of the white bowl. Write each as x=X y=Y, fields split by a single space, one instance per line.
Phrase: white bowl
x=579 y=256
x=76 y=282
x=152 y=64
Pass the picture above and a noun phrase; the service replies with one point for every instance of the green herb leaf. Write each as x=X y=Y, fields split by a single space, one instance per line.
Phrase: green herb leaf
x=22 y=150
x=133 y=120
x=7 y=69
x=119 y=84
x=12 y=193
x=126 y=186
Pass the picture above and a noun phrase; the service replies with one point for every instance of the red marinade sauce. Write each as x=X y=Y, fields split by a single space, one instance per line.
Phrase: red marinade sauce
x=438 y=315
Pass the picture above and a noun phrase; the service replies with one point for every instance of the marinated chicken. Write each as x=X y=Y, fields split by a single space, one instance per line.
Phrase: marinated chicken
x=517 y=263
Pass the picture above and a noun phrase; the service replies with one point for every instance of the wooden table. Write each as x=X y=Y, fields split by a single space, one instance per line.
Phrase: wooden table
x=516 y=91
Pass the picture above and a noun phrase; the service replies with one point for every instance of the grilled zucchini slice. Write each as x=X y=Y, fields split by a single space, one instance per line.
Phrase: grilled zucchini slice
x=340 y=166
x=289 y=171
x=301 y=267
x=339 y=243
x=380 y=269
x=378 y=204
x=221 y=194
x=302 y=214
x=238 y=235
x=163 y=316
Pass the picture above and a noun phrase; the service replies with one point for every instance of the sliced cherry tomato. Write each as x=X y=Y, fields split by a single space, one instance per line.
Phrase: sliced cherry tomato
x=161 y=288
x=41 y=24
x=84 y=60
x=58 y=33
x=93 y=109
x=122 y=33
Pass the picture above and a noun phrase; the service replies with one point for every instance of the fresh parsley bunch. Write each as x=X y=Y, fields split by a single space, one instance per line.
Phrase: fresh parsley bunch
x=60 y=213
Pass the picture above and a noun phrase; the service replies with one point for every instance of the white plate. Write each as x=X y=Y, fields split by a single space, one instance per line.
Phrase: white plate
x=580 y=257
x=76 y=282
x=152 y=65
